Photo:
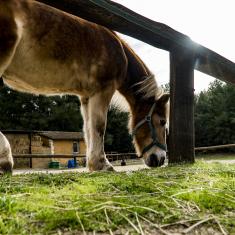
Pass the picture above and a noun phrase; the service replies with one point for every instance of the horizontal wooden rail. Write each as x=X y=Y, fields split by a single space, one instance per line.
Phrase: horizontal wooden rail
x=215 y=147
x=119 y=18
x=48 y=156
x=215 y=65
x=123 y=20
x=68 y=155
x=111 y=157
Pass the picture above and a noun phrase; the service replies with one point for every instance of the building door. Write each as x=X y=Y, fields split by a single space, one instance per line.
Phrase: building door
x=76 y=147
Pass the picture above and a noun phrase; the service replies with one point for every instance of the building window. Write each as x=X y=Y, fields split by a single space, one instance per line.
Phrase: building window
x=75 y=147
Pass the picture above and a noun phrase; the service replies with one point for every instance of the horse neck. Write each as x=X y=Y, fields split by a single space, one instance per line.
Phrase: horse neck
x=139 y=106
x=137 y=73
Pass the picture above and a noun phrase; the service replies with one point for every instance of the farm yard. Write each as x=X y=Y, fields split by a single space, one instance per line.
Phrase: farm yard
x=180 y=199
x=84 y=64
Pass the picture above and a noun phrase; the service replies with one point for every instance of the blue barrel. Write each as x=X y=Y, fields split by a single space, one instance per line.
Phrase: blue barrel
x=72 y=163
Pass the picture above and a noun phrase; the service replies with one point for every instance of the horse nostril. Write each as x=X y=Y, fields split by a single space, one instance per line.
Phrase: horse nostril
x=154 y=161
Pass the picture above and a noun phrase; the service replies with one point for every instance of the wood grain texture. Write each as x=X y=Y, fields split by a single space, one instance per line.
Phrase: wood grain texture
x=181 y=138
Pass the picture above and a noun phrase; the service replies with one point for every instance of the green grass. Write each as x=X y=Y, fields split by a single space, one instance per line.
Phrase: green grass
x=106 y=202
x=215 y=156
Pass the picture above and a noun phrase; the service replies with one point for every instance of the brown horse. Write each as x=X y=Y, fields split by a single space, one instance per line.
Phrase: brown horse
x=47 y=51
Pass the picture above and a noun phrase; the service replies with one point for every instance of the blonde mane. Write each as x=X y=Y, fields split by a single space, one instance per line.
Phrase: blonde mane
x=149 y=87
x=120 y=102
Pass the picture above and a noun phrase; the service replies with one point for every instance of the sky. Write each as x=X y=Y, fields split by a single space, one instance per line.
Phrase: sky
x=208 y=22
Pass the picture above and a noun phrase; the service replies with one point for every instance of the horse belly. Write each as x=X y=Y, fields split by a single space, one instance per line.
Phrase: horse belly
x=55 y=64
x=26 y=74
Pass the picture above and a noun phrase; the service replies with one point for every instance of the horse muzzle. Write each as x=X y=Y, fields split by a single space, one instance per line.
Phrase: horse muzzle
x=155 y=159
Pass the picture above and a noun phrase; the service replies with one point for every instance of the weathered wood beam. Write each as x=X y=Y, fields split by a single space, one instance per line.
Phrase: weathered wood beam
x=215 y=147
x=215 y=65
x=119 y=18
x=181 y=141
x=123 y=20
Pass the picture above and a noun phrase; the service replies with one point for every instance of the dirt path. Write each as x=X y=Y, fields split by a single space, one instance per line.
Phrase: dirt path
x=118 y=168
x=80 y=170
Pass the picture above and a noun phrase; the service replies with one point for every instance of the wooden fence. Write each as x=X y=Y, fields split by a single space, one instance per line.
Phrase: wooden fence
x=111 y=157
x=215 y=147
x=185 y=56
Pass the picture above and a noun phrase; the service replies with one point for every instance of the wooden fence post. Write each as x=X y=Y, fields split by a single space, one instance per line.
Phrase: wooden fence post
x=30 y=150
x=181 y=139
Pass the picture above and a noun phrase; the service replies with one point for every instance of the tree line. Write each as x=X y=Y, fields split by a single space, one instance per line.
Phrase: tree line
x=214 y=116
x=21 y=111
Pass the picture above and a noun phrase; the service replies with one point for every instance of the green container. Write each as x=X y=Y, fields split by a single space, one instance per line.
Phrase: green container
x=54 y=165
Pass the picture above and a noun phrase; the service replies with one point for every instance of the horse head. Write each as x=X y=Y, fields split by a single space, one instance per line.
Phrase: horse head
x=149 y=130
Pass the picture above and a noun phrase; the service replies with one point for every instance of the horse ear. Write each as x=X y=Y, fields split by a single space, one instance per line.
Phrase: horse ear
x=163 y=99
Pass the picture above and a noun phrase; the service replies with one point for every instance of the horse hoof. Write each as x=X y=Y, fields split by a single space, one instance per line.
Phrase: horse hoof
x=100 y=165
x=4 y=172
x=108 y=168
x=6 y=168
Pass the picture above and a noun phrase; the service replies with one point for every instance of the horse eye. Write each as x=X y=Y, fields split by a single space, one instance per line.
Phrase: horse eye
x=162 y=122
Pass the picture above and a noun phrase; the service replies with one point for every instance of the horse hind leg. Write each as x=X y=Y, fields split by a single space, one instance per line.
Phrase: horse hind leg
x=6 y=159
x=6 y=165
x=97 y=110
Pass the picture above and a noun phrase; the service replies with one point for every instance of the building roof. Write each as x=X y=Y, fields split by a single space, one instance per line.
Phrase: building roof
x=16 y=132
x=54 y=135
x=61 y=135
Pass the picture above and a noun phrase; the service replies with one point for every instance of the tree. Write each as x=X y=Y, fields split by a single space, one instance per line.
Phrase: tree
x=20 y=111
x=215 y=115
x=117 y=137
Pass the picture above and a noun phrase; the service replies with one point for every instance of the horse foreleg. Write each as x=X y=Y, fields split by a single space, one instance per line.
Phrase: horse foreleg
x=97 y=112
x=6 y=160
x=84 y=111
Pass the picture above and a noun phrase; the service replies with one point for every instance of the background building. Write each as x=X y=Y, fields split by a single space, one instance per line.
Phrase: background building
x=44 y=142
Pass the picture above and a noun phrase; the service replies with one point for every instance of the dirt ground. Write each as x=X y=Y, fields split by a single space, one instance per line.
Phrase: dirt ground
x=131 y=166
x=80 y=170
